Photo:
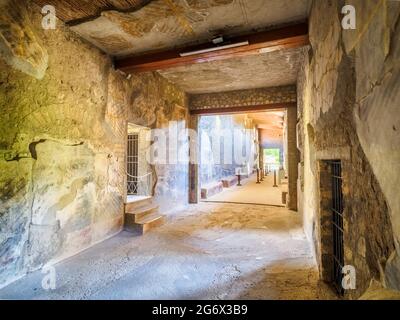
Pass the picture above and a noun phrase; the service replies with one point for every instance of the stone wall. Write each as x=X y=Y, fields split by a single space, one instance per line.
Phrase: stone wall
x=63 y=142
x=348 y=95
x=241 y=98
x=62 y=145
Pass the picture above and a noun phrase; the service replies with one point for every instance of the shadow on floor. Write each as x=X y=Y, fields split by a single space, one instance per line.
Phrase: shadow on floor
x=276 y=281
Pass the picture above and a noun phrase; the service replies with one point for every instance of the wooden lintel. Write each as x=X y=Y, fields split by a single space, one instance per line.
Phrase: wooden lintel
x=294 y=36
x=244 y=109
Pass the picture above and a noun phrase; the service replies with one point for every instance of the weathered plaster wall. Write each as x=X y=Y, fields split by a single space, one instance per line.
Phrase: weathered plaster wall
x=348 y=102
x=63 y=144
x=161 y=25
x=27 y=54
x=62 y=147
x=240 y=98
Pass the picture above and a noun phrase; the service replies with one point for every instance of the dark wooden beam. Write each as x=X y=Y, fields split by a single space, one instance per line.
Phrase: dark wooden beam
x=294 y=36
x=244 y=109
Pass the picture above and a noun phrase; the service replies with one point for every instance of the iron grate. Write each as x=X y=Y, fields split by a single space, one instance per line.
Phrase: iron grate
x=133 y=163
x=337 y=224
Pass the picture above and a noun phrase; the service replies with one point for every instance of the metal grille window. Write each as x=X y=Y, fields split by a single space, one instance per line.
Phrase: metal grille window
x=337 y=224
x=133 y=163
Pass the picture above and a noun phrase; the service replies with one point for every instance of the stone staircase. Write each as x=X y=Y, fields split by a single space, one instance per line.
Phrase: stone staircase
x=142 y=216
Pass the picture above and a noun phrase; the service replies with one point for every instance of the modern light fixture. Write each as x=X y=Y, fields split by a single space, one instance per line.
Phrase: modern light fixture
x=233 y=45
x=265 y=50
x=218 y=40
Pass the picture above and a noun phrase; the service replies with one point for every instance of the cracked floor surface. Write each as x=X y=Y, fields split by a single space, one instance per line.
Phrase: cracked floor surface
x=207 y=251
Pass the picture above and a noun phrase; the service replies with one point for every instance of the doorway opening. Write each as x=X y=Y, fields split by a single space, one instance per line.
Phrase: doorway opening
x=138 y=170
x=241 y=158
x=272 y=159
x=332 y=208
x=337 y=224
x=132 y=163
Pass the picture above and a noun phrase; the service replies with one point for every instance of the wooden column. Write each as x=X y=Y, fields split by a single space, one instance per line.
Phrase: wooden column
x=194 y=160
x=293 y=157
x=260 y=155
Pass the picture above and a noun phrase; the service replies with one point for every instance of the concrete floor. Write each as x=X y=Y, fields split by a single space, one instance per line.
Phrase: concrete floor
x=208 y=251
x=252 y=193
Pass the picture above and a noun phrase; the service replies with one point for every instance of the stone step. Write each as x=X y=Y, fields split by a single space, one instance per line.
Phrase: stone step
x=144 y=224
x=211 y=189
x=132 y=206
x=141 y=212
x=228 y=182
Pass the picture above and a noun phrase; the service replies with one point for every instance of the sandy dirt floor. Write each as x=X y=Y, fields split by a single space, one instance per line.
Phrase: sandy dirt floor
x=208 y=251
x=252 y=193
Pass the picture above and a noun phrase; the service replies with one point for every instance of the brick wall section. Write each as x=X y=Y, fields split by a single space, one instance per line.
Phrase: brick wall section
x=239 y=98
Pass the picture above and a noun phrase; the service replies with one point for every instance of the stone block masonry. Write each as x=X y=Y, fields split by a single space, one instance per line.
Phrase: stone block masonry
x=243 y=98
x=348 y=108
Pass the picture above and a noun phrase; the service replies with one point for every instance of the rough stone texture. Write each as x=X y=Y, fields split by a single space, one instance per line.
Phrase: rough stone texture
x=208 y=251
x=377 y=292
x=377 y=53
x=164 y=24
x=19 y=43
x=71 y=11
x=60 y=181
x=239 y=98
x=62 y=150
x=155 y=101
x=277 y=68
x=347 y=102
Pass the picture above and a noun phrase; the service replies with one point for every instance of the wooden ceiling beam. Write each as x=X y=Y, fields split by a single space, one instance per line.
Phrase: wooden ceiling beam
x=244 y=109
x=294 y=36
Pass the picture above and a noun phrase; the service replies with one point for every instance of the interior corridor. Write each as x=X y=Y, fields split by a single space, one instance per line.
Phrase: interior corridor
x=209 y=251
x=251 y=192
x=125 y=126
